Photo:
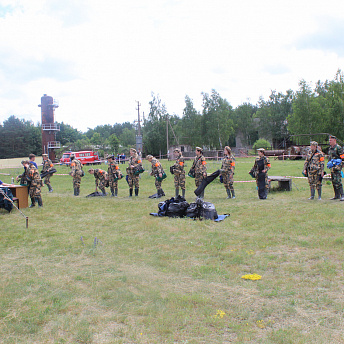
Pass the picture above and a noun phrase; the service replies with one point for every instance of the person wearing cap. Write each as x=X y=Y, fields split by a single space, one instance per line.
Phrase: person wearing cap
x=32 y=158
x=157 y=172
x=133 y=177
x=179 y=172
x=114 y=174
x=76 y=172
x=47 y=165
x=35 y=184
x=101 y=179
x=314 y=169
x=24 y=176
x=227 y=171
x=335 y=151
x=260 y=169
x=200 y=167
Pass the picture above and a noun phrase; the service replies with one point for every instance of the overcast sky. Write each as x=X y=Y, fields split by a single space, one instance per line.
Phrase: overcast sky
x=98 y=57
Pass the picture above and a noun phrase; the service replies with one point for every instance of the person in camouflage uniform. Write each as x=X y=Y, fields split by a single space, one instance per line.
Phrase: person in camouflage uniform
x=227 y=171
x=158 y=173
x=101 y=179
x=179 y=172
x=114 y=174
x=35 y=184
x=200 y=167
x=260 y=169
x=135 y=164
x=314 y=169
x=336 y=152
x=76 y=172
x=47 y=165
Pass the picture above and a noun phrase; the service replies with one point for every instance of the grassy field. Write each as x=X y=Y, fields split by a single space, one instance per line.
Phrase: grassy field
x=103 y=270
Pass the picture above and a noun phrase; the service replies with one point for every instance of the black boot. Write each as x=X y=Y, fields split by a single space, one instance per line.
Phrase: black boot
x=75 y=192
x=319 y=193
x=341 y=193
x=336 y=195
x=177 y=192
x=201 y=195
x=50 y=188
x=312 y=194
x=112 y=192
x=162 y=192
x=116 y=192
x=103 y=192
x=136 y=192
x=33 y=202
x=228 y=193
x=233 y=193
x=130 y=192
x=39 y=201
x=183 y=193
x=159 y=194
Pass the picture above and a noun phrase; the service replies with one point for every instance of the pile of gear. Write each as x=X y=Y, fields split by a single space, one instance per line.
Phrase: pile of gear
x=179 y=207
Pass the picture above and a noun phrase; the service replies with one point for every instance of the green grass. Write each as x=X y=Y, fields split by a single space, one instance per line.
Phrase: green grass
x=102 y=270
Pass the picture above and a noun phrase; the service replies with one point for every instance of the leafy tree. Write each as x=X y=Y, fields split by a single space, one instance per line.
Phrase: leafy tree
x=273 y=114
x=245 y=124
x=154 y=130
x=127 y=137
x=67 y=134
x=113 y=142
x=307 y=112
x=217 y=124
x=19 y=138
x=189 y=127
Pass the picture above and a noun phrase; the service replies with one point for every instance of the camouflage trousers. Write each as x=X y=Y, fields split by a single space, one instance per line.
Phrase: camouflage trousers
x=157 y=184
x=314 y=180
x=102 y=184
x=76 y=182
x=198 y=179
x=35 y=189
x=336 y=177
x=47 y=180
x=113 y=184
x=179 y=181
x=133 y=180
x=228 y=180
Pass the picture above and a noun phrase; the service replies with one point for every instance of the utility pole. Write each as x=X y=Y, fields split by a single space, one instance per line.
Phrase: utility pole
x=167 y=120
x=138 y=136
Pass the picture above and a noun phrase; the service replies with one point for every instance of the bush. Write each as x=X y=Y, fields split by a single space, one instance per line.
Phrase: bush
x=262 y=143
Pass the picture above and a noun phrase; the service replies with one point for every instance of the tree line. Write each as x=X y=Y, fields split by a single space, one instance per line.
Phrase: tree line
x=305 y=111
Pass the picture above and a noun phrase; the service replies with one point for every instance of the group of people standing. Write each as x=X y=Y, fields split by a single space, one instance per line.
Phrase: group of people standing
x=313 y=169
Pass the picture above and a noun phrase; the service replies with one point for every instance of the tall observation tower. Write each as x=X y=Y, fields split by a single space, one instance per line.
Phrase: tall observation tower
x=49 y=127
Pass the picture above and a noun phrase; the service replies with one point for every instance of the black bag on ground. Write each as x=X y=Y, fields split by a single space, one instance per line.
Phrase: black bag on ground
x=201 y=209
x=174 y=207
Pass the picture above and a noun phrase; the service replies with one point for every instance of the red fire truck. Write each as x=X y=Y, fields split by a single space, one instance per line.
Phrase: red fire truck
x=85 y=157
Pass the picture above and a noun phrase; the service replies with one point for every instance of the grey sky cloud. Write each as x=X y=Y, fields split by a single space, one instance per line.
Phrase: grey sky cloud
x=26 y=70
x=4 y=10
x=276 y=69
x=329 y=37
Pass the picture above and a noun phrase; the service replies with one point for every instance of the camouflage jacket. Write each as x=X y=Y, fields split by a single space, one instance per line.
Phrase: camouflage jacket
x=228 y=164
x=76 y=168
x=262 y=163
x=100 y=175
x=33 y=174
x=314 y=162
x=335 y=152
x=156 y=167
x=178 y=166
x=200 y=165
x=47 y=165
x=133 y=161
x=113 y=169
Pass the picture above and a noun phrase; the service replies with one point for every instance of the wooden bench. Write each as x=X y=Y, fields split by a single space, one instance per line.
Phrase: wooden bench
x=284 y=183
